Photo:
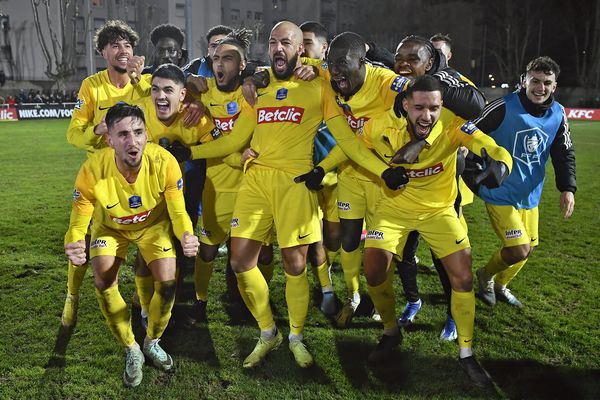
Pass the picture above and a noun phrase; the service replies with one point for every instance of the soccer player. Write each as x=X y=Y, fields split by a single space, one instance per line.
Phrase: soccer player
x=322 y=254
x=362 y=91
x=223 y=99
x=416 y=56
x=532 y=126
x=134 y=190
x=426 y=205
x=203 y=66
x=444 y=44
x=168 y=41
x=115 y=41
x=294 y=109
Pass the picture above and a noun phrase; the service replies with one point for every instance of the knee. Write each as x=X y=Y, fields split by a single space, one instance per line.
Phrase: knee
x=375 y=267
x=102 y=283
x=515 y=254
x=208 y=253
x=265 y=257
x=167 y=290
x=351 y=239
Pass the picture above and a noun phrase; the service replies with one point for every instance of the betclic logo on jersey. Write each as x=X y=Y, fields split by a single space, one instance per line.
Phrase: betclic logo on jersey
x=356 y=123
x=425 y=172
x=268 y=115
x=132 y=219
x=225 y=124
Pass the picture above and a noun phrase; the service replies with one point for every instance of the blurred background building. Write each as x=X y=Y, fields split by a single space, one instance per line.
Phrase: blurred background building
x=492 y=41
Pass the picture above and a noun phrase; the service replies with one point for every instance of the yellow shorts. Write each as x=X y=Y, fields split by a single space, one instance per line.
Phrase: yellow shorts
x=357 y=198
x=217 y=209
x=514 y=227
x=441 y=229
x=153 y=242
x=269 y=198
x=327 y=198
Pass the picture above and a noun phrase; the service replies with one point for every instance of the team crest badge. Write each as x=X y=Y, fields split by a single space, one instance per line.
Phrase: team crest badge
x=79 y=103
x=135 y=201
x=232 y=108
x=468 y=128
x=281 y=94
x=529 y=146
x=180 y=184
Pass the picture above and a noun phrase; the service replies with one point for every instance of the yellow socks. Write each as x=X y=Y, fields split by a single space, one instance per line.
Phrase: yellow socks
x=296 y=296
x=324 y=276
x=267 y=271
x=351 y=262
x=202 y=274
x=115 y=311
x=463 y=311
x=145 y=289
x=507 y=275
x=384 y=300
x=255 y=292
x=75 y=275
x=495 y=264
x=161 y=305
x=330 y=255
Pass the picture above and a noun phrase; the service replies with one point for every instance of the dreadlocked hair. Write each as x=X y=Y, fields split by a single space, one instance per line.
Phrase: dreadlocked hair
x=239 y=38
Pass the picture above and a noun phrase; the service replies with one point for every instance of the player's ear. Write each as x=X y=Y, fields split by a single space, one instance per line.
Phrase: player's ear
x=182 y=94
x=429 y=64
x=243 y=64
x=405 y=104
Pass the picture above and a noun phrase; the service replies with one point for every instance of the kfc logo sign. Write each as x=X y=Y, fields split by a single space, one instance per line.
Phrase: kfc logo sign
x=225 y=124
x=583 y=113
x=268 y=115
x=425 y=172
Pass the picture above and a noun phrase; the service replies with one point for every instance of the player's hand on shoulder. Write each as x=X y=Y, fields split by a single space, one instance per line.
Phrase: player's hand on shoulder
x=194 y=110
x=493 y=173
x=101 y=128
x=189 y=244
x=135 y=66
x=306 y=72
x=409 y=153
x=395 y=178
x=196 y=84
x=76 y=252
x=180 y=151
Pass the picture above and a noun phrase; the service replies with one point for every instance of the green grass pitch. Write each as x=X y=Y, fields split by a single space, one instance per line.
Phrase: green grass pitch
x=549 y=349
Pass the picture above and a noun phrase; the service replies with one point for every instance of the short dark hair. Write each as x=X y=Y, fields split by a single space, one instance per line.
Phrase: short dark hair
x=167 y=31
x=544 y=64
x=423 y=83
x=169 y=71
x=351 y=41
x=422 y=41
x=113 y=31
x=218 y=30
x=442 y=37
x=123 y=110
x=318 y=29
x=239 y=38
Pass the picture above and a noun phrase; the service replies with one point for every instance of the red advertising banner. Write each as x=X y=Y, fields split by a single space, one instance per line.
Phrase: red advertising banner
x=583 y=114
x=8 y=113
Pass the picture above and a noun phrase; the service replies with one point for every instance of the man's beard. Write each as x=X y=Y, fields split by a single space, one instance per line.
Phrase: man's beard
x=289 y=71
x=229 y=86
x=120 y=70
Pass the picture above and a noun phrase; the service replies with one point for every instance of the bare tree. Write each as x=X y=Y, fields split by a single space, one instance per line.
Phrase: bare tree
x=58 y=48
x=511 y=35
x=582 y=23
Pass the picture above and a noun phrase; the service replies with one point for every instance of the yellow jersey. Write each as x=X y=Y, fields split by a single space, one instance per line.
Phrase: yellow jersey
x=96 y=95
x=432 y=179
x=102 y=191
x=224 y=108
x=283 y=124
x=376 y=95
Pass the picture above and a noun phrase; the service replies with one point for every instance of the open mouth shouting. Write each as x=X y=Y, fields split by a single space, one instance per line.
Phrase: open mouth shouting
x=162 y=106
x=280 y=62
x=220 y=77
x=422 y=128
x=342 y=83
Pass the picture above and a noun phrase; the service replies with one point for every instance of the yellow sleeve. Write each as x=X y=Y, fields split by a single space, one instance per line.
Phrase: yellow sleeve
x=335 y=157
x=353 y=148
x=175 y=203
x=82 y=208
x=233 y=160
x=467 y=134
x=205 y=128
x=239 y=136
x=143 y=88
x=391 y=86
x=80 y=132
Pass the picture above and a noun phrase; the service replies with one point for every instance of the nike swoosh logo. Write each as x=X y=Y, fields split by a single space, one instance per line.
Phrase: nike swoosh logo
x=460 y=241
x=260 y=94
x=386 y=156
x=167 y=249
x=214 y=105
x=303 y=236
x=533 y=239
x=467 y=341
x=114 y=205
x=103 y=108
